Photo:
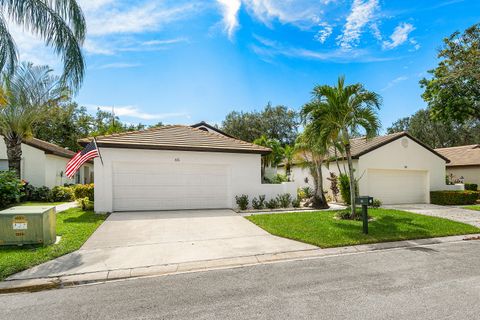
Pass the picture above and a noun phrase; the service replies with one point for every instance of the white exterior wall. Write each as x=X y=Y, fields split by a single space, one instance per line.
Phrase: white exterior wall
x=244 y=171
x=470 y=174
x=41 y=169
x=394 y=156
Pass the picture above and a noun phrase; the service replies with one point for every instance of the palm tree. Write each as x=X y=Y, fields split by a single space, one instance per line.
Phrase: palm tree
x=312 y=156
x=23 y=96
x=273 y=158
x=336 y=113
x=60 y=23
x=288 y=156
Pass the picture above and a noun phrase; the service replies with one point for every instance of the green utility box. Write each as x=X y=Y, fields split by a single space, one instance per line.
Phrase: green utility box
x=28 y=225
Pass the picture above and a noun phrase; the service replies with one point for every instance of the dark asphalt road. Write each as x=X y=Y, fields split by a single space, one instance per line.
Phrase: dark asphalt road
x=436 y=282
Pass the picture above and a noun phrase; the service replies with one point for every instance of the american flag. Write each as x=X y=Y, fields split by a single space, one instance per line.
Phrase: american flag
x=80 y=158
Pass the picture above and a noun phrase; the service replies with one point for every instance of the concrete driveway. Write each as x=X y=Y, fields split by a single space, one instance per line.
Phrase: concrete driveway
x=141 y=239
x=448 y=212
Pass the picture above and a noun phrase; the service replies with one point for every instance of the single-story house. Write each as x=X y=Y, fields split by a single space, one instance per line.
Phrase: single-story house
x=464 y=165
x=395 y=168
x=43 y=164
x=177 y=167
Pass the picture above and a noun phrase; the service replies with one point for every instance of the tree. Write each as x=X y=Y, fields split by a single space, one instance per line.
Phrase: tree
x=288 y=157
x=453 y=92
x=312 y=155
x=25 y=95
x=336 y=113
x=438 y=134
x=60 y=23
x=272 y=159
x=277 y=123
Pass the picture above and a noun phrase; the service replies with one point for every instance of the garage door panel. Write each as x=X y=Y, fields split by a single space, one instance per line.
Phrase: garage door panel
x=398 y=186
x=157 y=186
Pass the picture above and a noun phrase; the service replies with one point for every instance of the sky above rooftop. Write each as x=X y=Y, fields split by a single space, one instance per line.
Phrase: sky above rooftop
x=182 y=62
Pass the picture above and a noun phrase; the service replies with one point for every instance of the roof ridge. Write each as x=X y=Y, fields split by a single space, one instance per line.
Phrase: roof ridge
x=226 y=138
x=120 y=134
x=467 y=146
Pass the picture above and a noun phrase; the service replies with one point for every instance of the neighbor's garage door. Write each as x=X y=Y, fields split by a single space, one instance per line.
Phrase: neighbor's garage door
x=160 y=186
x=398 y=186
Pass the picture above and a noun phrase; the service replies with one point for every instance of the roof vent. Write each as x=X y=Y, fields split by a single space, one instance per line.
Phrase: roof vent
x=405 y=142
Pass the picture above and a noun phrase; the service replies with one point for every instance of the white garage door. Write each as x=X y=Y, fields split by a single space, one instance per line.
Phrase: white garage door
x=398 y=186
x=160 y=186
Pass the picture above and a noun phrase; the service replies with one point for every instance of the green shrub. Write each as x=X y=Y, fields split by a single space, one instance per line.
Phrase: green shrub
x=345 y=188
x=308 y=192
x=471 y=186
x=277 y=179
x=453 y=197
x=81 y=191
x=10 y=188
x=376 y=203
x=242 y=201
x=284 y=200
x=258 y=203
x=300 y=194
x=85 y=204
x=272 y=203
x=42 y=194
x=60 y=193
x=296 y=203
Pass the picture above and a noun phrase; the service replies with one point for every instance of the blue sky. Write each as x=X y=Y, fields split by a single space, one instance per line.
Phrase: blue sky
x=187 y=61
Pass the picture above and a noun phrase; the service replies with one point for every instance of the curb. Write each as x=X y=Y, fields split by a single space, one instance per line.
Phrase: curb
x=58 y=282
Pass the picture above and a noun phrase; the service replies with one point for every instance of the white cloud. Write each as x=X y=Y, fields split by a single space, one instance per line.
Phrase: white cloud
x=323 y=33
x=163 y=41
x=399 y=35
x=135 y=112
x=394 y=82
x=118 y=65
x=361 y=14
x=230 y=10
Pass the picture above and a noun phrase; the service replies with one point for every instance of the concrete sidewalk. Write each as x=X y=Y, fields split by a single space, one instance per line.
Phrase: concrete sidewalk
x=38 y=284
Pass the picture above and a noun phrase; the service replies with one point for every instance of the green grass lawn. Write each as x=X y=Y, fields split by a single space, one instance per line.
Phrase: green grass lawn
x=477 y=207
x=73 y=225
x=33 y=203
x=324 y=230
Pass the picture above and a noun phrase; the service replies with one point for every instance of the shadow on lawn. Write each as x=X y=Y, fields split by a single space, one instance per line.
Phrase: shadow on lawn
x=387 y=228
x=86 y=217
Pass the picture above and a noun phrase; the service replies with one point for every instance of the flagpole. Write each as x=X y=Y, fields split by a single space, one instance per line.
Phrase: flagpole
x=99 y=154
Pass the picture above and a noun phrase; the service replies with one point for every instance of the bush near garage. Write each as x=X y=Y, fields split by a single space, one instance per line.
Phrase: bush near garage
x=10 y=188
x=454 y=197
x=471 y=186
x=81 y=191
x=242 y=201
x=60 y=193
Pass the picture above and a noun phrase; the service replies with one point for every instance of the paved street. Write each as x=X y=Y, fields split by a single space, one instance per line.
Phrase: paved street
x=435 y=282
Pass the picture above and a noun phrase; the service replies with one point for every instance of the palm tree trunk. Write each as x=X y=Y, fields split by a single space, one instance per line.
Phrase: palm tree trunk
x=336 y=161
x=319 y=200
x=14 y=153
x=352 y=181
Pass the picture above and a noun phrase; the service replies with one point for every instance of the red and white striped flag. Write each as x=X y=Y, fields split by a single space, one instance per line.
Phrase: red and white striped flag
x=80 y=158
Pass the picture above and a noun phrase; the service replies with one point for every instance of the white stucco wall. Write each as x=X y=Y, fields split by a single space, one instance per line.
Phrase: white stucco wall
x=397 y=157
x=470 y=174
x=244 y=172
x=41 y=169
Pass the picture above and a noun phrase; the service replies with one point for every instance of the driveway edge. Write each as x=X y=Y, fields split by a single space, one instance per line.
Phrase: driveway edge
x=40 y=284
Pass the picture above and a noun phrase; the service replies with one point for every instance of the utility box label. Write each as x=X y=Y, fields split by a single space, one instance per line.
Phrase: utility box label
x=20 y=223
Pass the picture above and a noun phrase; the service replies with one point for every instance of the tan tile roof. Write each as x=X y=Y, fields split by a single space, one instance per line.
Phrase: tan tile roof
x=361 y=146
x=177 y=137
x=462 y=155
x=49 y=148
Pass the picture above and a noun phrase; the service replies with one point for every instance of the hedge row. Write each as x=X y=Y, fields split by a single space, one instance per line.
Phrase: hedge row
x=454 y=197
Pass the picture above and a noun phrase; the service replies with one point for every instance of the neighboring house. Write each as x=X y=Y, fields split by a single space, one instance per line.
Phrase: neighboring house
x=464 y=163
x=43 y=164
x=178 y=167
x=395 y=168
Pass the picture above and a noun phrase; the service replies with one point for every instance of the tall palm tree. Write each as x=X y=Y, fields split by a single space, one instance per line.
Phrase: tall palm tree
x=24 y=94
x=312 y=156
x=336 y=113
x=60 y=23
x=288 y=157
